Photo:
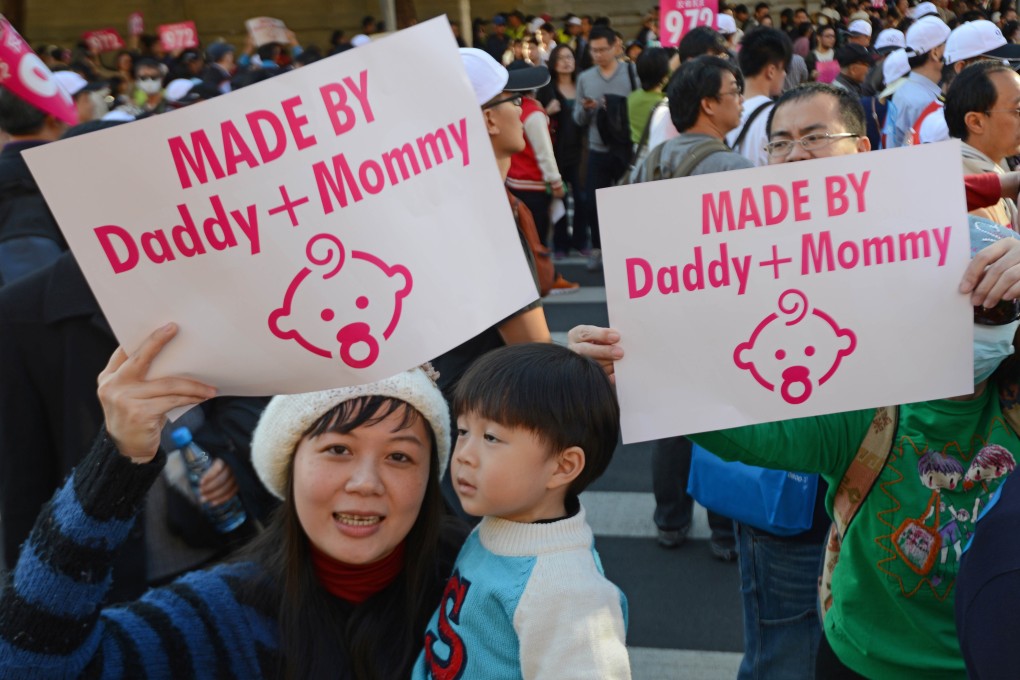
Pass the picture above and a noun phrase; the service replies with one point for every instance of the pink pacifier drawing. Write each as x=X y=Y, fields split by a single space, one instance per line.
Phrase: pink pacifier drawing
x=351 y=324
x=791 y=347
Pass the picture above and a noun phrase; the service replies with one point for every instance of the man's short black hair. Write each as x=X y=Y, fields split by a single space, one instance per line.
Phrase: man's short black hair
x=562 y=397
x=653 y=66
x=971 y=90
x=851 y=113
x=603 y=33
x=761 y=5
x=700 y=41
x=740 y=9
x=693 y=81
x=146 y=62
x=18 y=117
x=763 y=47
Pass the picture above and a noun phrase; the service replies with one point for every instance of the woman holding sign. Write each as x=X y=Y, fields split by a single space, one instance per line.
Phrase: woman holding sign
x=340 y=585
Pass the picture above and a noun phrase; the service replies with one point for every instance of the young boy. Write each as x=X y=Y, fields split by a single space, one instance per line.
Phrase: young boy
x=536 y=425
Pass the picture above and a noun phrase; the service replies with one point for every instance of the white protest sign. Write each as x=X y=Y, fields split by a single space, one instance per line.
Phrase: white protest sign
x=265 y=30
x=790 y=290
x=333 y=225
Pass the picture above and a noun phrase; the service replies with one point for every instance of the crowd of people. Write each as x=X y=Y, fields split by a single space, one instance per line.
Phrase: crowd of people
x=357 y=557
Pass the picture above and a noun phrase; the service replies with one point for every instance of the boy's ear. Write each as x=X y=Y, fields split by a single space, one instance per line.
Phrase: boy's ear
x=569 y=464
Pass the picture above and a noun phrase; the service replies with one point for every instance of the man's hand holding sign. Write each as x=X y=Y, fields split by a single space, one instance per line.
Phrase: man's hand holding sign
x=290 y=229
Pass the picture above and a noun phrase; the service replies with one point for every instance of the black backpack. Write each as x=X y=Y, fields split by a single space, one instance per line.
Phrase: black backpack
x=613 y=125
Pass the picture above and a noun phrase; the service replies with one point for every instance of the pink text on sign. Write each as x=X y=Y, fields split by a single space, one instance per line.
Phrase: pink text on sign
x=678 y=17
x=179 y=36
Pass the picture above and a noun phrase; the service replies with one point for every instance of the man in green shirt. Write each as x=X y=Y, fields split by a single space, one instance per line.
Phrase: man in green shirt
x=891 y=615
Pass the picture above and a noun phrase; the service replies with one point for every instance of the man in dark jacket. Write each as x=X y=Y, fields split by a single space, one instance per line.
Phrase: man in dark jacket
x=29 y=236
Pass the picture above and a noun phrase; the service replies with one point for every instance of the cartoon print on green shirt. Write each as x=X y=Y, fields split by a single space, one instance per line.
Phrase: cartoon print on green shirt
x=929 y=541
x=991 y=462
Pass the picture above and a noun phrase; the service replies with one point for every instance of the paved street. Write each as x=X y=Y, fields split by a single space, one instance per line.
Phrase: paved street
x=684 y=605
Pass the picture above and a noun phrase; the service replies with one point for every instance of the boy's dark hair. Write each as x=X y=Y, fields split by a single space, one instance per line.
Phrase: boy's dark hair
x=693 y=81
x=653 y=66
x=971 y=90
x=603 y=33
x=763 y=47
x=563 y=398
x=700 y=41
x=851 y=113
x=18 y=117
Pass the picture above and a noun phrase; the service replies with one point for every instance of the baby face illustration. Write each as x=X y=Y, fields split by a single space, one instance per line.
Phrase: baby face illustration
x=798 y=349
x=328 y=310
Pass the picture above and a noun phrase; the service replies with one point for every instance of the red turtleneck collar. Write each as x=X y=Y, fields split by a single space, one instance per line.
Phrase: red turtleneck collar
x=357 y=582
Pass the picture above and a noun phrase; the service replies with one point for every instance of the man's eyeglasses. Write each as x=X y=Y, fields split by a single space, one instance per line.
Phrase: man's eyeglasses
x=784 y=147
x=515 y=100
x=739 y=92
x=1006 y=312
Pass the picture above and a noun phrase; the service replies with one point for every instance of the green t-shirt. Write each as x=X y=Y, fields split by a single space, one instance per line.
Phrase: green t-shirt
x=639 y=107
x=892 y=615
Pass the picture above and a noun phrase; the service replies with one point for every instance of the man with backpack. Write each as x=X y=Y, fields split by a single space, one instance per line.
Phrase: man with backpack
x=764 y=57
x=706 y=100
x=596 y=89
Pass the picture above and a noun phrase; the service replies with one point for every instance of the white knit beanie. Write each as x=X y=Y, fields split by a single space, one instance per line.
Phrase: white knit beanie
x=289 y=416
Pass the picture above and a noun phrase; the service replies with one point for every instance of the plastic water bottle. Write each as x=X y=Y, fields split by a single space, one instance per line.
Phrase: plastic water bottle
x=226 y=517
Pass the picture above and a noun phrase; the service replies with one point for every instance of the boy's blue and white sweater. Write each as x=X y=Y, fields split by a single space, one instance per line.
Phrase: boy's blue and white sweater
x=528 y=601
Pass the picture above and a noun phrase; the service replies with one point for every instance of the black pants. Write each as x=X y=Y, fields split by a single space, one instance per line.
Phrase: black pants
x=829 y=667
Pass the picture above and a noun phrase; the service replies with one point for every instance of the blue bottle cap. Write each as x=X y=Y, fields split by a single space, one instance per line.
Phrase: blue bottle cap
x=181 y=437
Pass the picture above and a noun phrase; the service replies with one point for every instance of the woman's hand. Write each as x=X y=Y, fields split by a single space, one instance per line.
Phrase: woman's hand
x=994 y=274
x=553 y=107
x=136 y=408
x=218 y=485
x=597 y=343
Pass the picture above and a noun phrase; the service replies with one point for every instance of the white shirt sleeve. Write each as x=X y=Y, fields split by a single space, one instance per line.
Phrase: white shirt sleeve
x=661 y=127
x=536 y=127
x=569 y=622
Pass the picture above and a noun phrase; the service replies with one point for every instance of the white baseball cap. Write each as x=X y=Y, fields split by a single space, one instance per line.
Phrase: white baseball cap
x=860 y=27
x=725 y=24
x=489 y=77
x=923 y=10
x=890 y=37
x=976 y=38
x=894 y=67
x=926 y=34
x=70 y=81
x=359 y=40
x=178 y=89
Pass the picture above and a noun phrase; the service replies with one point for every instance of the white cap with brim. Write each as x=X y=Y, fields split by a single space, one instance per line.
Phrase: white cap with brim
x=860 y=27
x=725 y=24
x=890 y=37
x=488 y=77
x=923 y=10
x=118 y=115
x=894 y=68
x=178 y=89
x=925 y=35
x=979 y=38
x=70 y=81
